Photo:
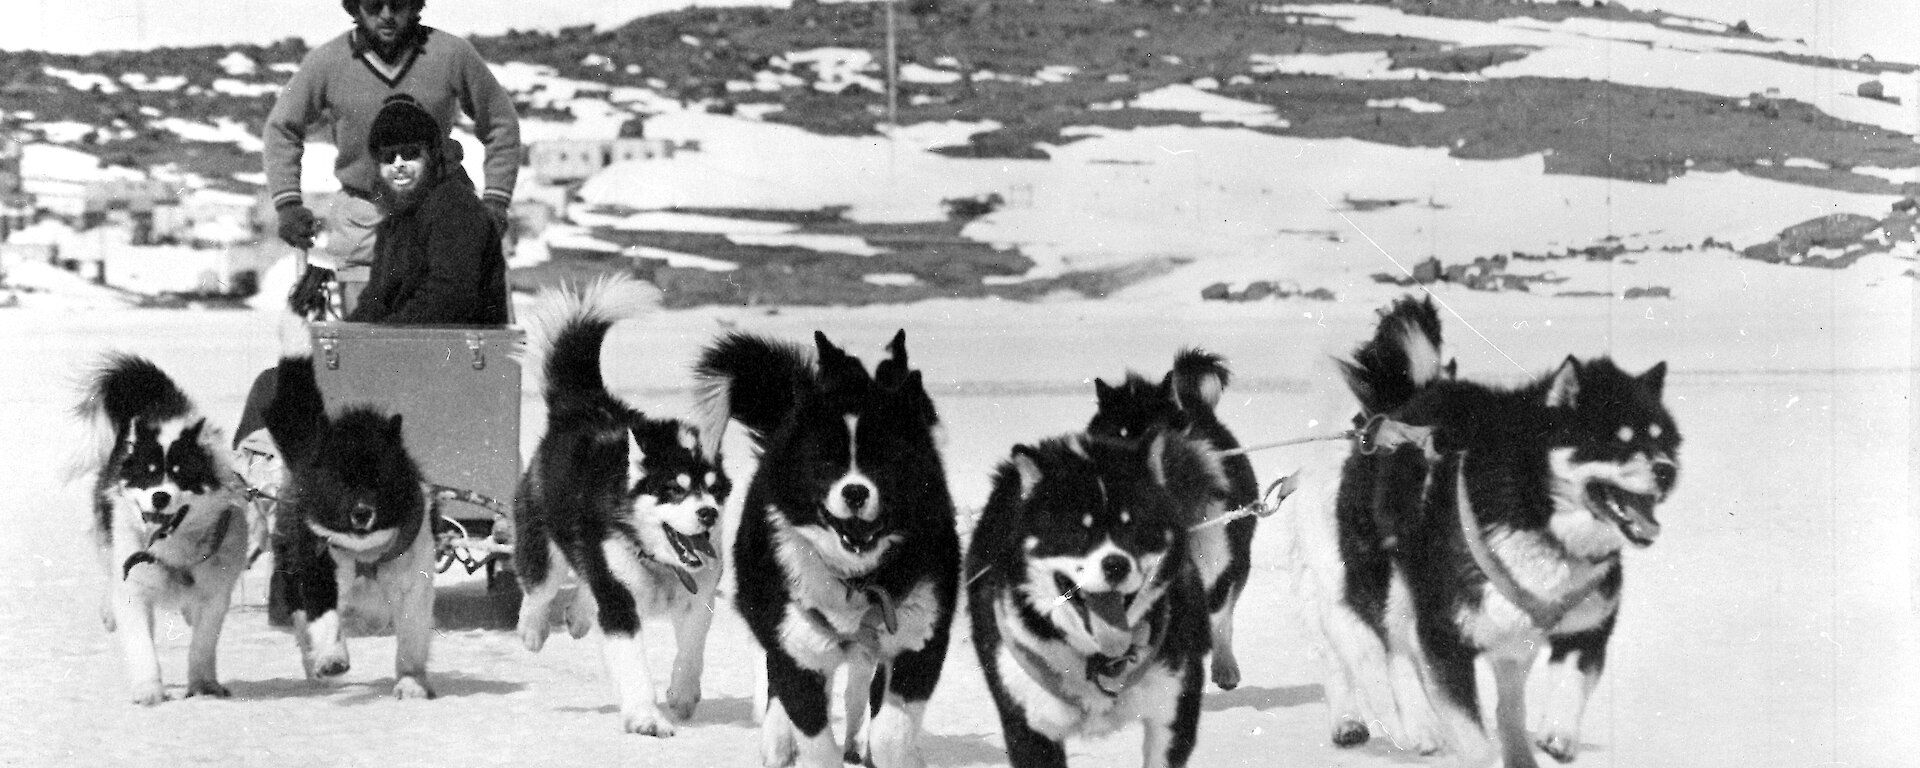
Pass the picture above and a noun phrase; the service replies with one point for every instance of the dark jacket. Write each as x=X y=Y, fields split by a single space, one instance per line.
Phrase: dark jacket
x=438 y=262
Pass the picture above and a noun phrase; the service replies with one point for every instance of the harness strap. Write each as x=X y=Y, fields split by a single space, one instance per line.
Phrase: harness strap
x=402 y=540
x=1545 y=614
x=145 y=555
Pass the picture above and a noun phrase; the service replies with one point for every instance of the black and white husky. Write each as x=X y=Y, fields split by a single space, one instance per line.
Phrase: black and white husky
x=1087 y=612
x=628 y=503
x=847 y=552
x=168 y=516
x=355 y=527
x=1184 y=401
x=1497 y=535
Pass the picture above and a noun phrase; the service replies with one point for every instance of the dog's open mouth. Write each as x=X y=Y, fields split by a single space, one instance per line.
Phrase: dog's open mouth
x=856 y=535
x=1110 y=607
x=693 y=551
x=1632 y=512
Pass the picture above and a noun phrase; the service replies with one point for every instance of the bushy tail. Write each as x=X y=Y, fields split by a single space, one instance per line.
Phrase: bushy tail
x=1199 y=377
x=297 y=412
x=1402 y=358
x=751 y=379
x=568 y=325
x=125 y=387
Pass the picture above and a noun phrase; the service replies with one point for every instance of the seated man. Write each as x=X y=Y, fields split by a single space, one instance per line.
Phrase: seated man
x=436 y=254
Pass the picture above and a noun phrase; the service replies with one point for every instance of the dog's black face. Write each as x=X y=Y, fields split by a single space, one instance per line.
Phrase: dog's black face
x=676 y=492
x=159 y=467
x=359 y=479
x=1102 y=535
x=856 y=455
x=1615 y=455
x=1129 y=410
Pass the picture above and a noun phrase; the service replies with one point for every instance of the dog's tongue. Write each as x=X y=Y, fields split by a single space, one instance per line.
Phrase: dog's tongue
x=1111 y=609
x=1634 y=514
x=703 y=544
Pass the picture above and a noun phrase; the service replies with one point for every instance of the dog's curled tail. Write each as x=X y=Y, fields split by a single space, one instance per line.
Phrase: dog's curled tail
x=124 y=387
x=1199 y=377
x=1403 y=357
x=568 y=324
x=750 y=379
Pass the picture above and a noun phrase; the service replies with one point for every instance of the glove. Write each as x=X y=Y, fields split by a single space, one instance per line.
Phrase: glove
x=297 y=225
x=309 y=296
x=497 y=210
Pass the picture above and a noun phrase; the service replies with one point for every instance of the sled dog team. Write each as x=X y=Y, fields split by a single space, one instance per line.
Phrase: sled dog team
x=1464 y=521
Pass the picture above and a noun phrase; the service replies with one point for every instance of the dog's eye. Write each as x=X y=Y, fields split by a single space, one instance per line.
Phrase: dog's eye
x=1654 y=431
x=1625 y=434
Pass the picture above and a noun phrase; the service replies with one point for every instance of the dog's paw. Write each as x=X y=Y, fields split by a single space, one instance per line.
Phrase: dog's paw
x=1561 y=747
x=681 y=704
x=648 y=722
x=207 y=688
x=149 y=695
x=579 y=614
x=411 y=687
x=1226 y=673
x=1350 y=733
x=533 y=634
x=777 y=748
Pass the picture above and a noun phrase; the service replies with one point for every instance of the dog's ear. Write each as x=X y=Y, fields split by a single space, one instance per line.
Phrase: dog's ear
x=192 y=433
x=837 y=368
x=891 y=373
x=1655 y=379
x=636 y=460
x=393 y=427
x=1102 y=392
x=1167 y=392
x=1564 y=390
x=898 y=347
x=1026 y=461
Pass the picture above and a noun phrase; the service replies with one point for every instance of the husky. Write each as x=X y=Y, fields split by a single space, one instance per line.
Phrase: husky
x=847 y=549
x=1184 y=400
x=1086 y=610
x=627 y=502
x=1495 y=529
x=169 y=519
x=355 y=528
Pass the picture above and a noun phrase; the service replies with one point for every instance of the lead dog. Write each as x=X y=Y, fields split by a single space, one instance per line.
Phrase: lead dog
x=355 y=527
x=627 y=502
x=1184 y=401
x=1086 y=611
x=846 y=553
x=168 y=519
x=1497 y=534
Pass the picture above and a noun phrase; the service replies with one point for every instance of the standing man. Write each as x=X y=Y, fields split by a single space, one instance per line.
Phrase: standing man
x=339 y=88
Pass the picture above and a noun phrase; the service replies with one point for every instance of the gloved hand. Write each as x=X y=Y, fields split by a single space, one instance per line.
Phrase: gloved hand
x=297 y=225
x=497 y=210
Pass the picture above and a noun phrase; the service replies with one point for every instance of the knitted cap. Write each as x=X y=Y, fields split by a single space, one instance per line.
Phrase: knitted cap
x=402 y=121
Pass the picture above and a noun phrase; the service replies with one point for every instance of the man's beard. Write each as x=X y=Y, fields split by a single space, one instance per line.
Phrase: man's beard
x=404 y=199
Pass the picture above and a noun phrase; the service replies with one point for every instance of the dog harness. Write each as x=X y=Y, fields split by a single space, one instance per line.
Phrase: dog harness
x=402 y=541
x=145 y=555
x=1110 y=675
x=1545 y=614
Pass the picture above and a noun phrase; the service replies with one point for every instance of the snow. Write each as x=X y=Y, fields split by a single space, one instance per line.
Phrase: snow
x=1628 y=53
x=1773 y=624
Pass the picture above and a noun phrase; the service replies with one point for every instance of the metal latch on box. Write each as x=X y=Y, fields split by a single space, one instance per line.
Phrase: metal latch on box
x=476 y=345
x=329 y=351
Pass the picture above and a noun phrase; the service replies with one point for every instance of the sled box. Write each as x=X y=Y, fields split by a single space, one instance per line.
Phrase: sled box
x=456 y=388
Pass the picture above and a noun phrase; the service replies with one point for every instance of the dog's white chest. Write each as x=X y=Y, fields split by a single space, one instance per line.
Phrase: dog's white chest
x=829 y=619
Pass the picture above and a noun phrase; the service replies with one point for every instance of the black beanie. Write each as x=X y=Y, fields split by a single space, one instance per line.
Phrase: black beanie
x=402 y=121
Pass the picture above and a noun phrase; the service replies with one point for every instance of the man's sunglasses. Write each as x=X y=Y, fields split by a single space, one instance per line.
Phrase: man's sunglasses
x=373 y=7
x=402 y=151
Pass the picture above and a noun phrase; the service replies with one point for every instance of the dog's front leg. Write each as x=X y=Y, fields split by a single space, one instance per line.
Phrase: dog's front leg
x=796 y=731
x=690 y=654
x=626 y=656
x=206 y=615
x=1573 y=669
x=134 y=616
x=539 y=585
x=1454 y=694
x=1170 y=714
x=1510 y=710
x=413 y=632
x=861 y=669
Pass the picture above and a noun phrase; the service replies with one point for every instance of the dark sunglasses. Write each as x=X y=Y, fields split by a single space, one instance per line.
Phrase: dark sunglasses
x=373 y=7
x=402 y=151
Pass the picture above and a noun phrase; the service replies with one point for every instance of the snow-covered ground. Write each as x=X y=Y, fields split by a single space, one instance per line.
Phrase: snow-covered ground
x=1774 y=624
